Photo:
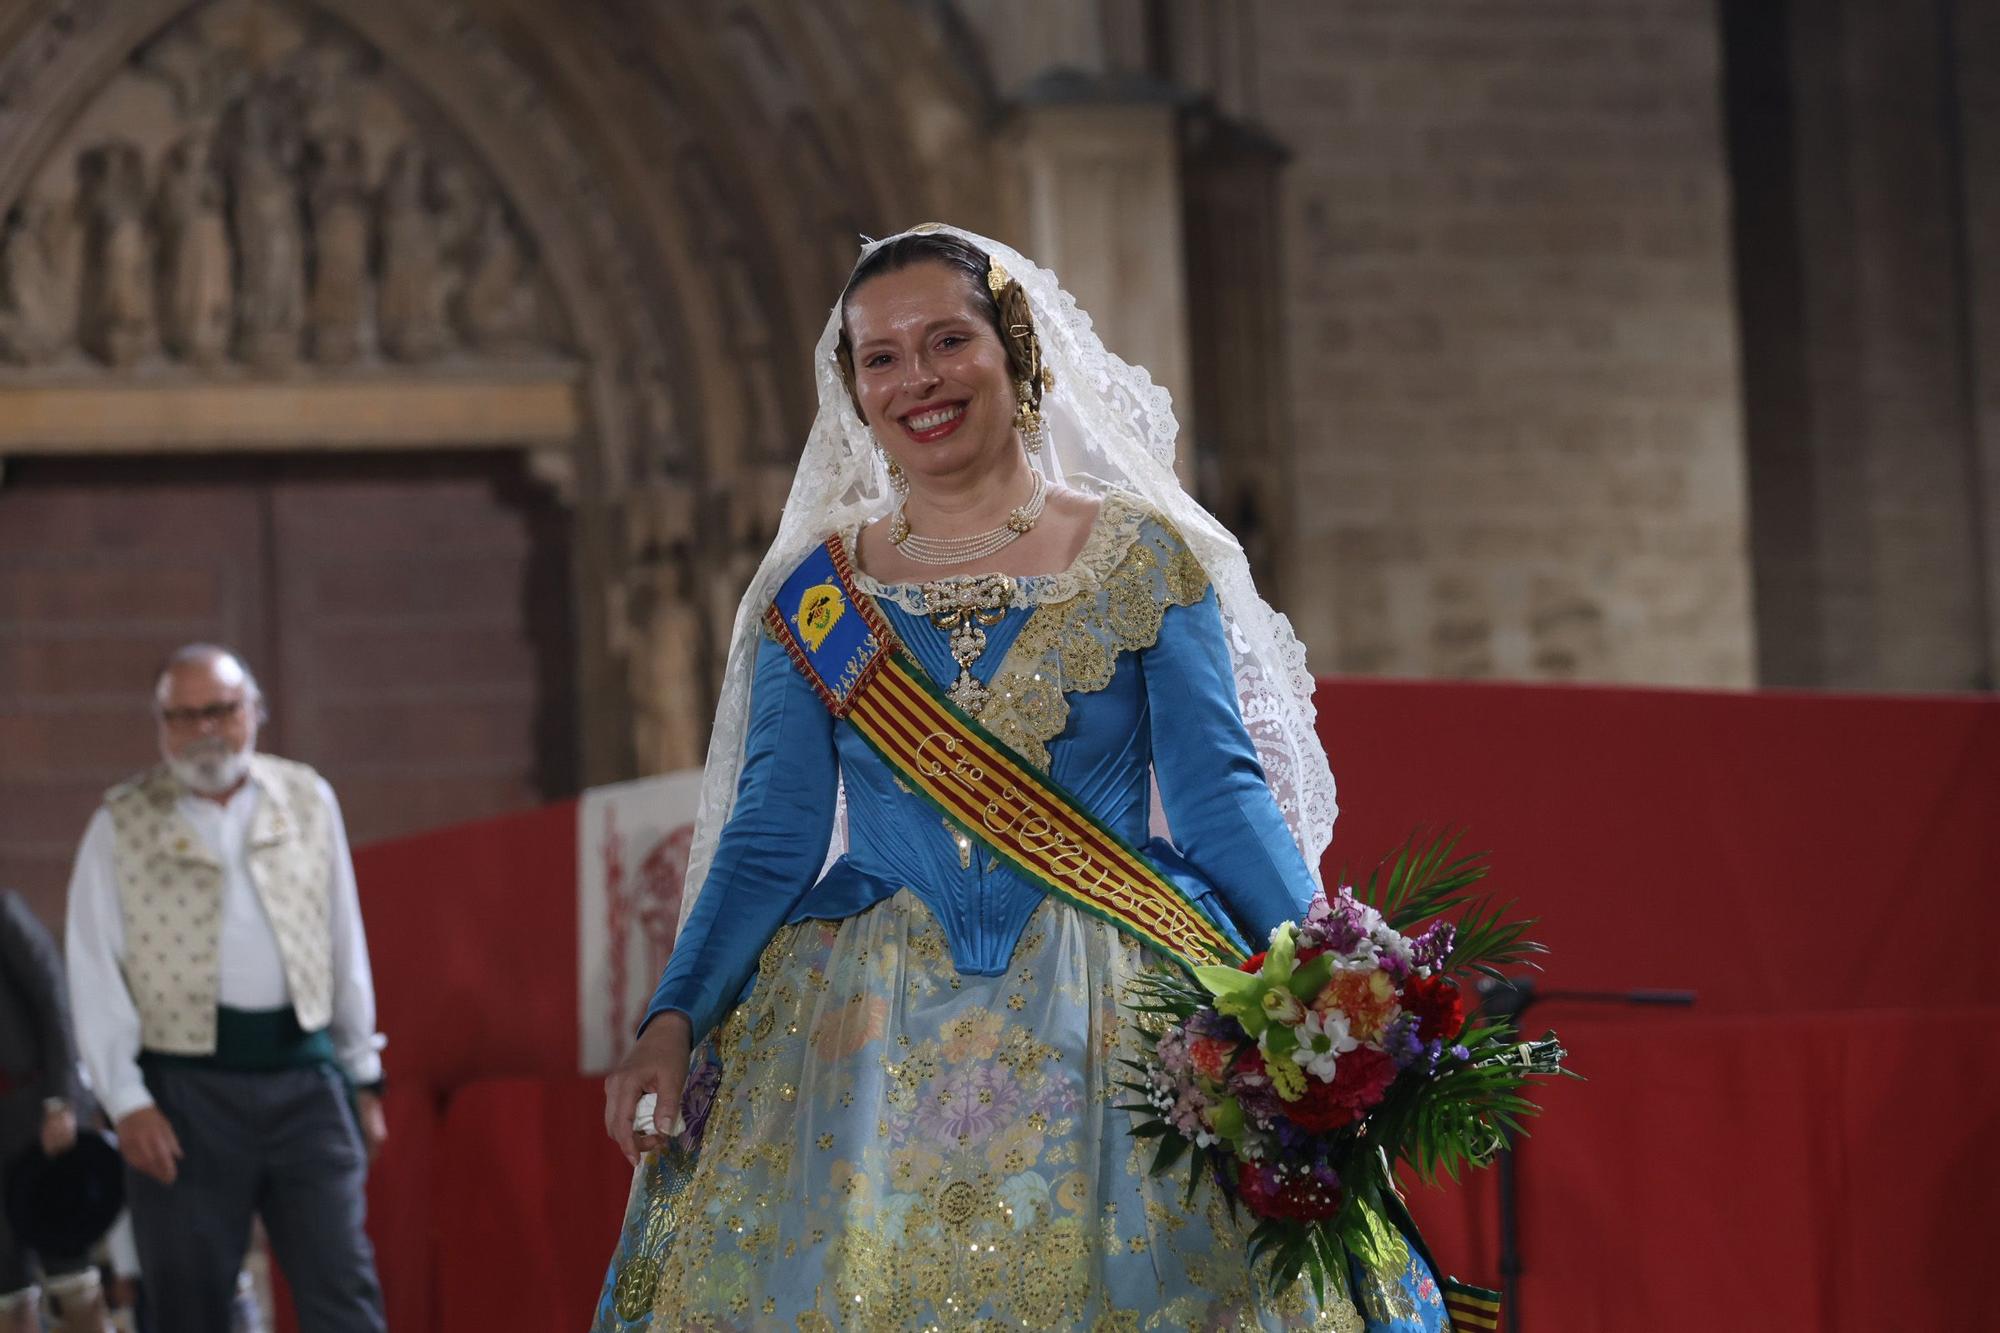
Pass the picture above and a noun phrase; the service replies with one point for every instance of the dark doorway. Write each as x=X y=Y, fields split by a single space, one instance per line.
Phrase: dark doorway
x=408 y=617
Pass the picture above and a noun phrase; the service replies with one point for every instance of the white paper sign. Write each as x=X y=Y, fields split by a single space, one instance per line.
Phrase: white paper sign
x=631 y=853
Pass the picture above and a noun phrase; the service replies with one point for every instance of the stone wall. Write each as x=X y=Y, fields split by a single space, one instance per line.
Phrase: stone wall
x=1511 y=338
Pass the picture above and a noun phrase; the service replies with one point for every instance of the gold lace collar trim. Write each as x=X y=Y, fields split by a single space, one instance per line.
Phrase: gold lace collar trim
x=1071 y=644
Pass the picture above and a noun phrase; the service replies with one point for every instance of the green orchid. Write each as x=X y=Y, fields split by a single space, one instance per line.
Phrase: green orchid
x=1243 y=995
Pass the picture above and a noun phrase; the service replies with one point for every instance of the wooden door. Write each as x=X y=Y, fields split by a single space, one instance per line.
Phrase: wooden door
x=408 y=618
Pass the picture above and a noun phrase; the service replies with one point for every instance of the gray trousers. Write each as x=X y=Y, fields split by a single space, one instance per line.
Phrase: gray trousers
x=282 y=1146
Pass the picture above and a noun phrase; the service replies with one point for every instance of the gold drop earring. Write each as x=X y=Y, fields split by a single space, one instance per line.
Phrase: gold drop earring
x=1028 y=419
x=899 y=482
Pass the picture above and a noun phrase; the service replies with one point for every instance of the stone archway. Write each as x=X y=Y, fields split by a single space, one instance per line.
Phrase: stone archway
x=468 y=239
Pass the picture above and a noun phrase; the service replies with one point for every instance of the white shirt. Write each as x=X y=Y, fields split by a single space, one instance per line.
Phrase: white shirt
x=252 y=970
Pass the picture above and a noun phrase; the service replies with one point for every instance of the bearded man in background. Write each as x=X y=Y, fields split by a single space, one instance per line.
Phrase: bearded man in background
x=225 y=1011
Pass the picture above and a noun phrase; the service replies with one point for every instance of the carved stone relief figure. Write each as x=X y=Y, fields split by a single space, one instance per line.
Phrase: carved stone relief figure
x=41 y=273
x=196 y=287
x=242 y=197
x=270 y=242
x=337 y=189
x=459 y=200
x=410 y=303
x=117 y=317
x=495 y=307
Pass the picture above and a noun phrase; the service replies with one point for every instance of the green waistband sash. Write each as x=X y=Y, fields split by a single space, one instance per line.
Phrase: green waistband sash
x=254 y=1041
x=862 y=673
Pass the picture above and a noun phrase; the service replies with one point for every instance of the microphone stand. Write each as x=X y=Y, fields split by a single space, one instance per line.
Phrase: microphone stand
x=1506 y=1002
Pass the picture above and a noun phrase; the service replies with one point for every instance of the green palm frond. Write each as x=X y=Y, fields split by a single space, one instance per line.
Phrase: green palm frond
x=1426 y=879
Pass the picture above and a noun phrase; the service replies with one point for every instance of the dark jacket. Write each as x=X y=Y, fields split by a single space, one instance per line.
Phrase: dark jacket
x=37 y=1046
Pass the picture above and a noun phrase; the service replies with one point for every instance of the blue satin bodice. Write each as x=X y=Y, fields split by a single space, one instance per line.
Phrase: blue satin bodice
x=1168 y=709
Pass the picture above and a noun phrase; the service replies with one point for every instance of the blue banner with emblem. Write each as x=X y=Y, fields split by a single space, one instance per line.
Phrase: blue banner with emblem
x=827 y=628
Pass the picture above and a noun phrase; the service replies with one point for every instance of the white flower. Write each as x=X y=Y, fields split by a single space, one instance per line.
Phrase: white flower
x=1322 y=1040
x=1394 y=944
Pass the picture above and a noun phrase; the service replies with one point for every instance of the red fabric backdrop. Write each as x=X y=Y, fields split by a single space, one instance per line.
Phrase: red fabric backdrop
x=1806 y=1149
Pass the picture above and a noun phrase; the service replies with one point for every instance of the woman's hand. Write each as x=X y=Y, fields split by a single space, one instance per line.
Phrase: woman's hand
x=657 y=1063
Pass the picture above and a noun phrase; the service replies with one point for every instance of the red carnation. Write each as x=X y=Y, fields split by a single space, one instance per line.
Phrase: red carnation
x=1298 y=1199
x=1439 y=1008
x=1320 y=1111
x=1359 y=1081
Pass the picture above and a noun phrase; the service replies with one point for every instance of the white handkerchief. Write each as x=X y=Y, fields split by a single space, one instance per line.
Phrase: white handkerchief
x=642 y=1118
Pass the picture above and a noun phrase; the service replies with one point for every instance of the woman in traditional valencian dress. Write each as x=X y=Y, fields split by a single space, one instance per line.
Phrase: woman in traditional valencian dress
x=909 y=1056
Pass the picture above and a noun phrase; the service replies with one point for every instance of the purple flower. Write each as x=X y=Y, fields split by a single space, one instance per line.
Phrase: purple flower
x=1058 y=1097
x=1410 y=1051
x=1434 y=945
x=1291 y=1138
x=969 y=1102
x=1346 y=923
x=1401 y=1042
x=1259 y=1100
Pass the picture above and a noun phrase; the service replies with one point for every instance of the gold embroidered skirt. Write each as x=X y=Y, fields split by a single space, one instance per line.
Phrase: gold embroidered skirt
x=896 y=1146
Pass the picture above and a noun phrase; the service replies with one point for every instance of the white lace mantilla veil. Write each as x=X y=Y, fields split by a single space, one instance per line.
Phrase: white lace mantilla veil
x=1109 y=427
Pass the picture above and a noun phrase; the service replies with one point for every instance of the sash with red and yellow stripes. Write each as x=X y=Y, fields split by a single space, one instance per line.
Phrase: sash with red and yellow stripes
x=1472 y=1309
x=863 y=674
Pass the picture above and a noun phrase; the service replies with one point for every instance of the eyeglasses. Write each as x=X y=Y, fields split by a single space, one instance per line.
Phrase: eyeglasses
x=194 y=717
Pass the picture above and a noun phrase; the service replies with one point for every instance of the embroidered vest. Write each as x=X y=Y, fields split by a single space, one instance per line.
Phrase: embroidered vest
x=170 y=892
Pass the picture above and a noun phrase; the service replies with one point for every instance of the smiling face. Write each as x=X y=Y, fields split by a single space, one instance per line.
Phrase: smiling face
x=930 y=372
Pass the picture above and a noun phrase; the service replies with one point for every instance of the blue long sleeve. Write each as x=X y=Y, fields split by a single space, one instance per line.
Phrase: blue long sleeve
x=1223 y=817
x=770 y=851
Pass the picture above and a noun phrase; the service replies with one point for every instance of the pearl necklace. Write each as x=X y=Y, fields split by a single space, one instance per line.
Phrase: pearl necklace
x=963 y=550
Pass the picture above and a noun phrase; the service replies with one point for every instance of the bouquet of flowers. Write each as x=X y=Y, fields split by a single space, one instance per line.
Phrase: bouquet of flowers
x=1303 y=1078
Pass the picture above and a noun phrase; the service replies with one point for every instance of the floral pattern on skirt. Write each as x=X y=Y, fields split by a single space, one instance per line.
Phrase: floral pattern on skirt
x=897 y=1146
